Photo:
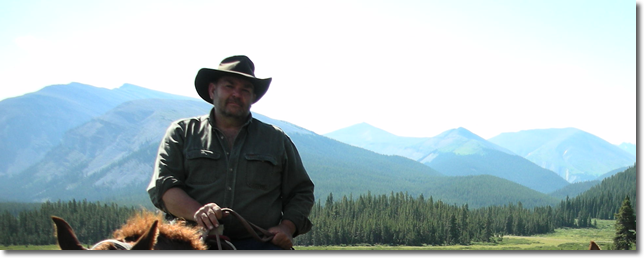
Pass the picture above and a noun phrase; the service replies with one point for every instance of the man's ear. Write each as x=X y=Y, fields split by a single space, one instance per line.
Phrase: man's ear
x=211 y=90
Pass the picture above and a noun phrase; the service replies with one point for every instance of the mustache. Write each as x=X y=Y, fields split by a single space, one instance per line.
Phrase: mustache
x=235 y=101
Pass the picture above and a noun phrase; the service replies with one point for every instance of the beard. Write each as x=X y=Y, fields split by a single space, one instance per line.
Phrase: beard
x=232 y=107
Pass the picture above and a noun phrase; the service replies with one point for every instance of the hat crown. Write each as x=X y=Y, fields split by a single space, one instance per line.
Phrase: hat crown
x=240 y=64
x=232 y=66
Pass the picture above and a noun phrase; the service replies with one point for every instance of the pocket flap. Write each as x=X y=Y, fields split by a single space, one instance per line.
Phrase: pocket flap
x=195 y=154
x=261 y=157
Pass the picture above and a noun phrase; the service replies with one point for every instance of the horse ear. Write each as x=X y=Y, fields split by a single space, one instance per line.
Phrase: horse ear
x=593 y=246
x=149 y=239
x=65 y=235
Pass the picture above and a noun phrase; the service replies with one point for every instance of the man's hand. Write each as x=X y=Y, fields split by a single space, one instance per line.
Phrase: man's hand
x=283 y=234
x=208 y=216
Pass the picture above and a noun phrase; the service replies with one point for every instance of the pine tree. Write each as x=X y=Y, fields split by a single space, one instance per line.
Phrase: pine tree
x=624 y=226
x=454 y=232
x=488 y=232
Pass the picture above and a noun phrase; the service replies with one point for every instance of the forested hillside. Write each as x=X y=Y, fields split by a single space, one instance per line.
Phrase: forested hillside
x=499 y=164
x=603 y=201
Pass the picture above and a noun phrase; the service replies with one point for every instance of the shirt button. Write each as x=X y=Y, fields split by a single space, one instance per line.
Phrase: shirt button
x=221 y=137
x=229 y=188
x=231 y=170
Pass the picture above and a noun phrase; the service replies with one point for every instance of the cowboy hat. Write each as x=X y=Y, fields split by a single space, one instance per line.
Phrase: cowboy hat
x=236 y=66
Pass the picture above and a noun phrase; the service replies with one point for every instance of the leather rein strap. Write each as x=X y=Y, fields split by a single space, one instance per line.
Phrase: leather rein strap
x=250 y=227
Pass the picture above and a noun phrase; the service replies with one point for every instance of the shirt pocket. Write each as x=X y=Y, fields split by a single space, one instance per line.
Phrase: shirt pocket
x=263 y=171
x=203 y=167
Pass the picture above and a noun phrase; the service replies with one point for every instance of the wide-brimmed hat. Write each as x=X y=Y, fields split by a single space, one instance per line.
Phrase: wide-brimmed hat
x=235 y=66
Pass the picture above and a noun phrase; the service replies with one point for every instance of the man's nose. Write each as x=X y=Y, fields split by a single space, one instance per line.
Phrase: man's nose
x=236 y=92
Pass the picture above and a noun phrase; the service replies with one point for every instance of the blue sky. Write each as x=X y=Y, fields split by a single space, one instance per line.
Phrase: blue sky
x=413 y=68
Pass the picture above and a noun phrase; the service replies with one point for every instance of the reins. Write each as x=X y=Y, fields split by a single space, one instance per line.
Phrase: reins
x=253 y=229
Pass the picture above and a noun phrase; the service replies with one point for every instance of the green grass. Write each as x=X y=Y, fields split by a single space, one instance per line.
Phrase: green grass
x=29 y=247
x=561 y=239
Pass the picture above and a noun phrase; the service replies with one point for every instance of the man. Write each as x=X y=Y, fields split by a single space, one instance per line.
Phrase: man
x=230 y=159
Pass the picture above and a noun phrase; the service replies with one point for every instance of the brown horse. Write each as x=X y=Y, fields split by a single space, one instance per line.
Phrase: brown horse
x=141 y=232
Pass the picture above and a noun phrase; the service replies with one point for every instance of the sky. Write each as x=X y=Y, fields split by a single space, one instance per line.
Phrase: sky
x=412 y=68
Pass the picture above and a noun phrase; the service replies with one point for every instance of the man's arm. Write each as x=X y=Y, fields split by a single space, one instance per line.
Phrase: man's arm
x=180 y=204
x=168 y=166
x=165 y=186
x=297 y=189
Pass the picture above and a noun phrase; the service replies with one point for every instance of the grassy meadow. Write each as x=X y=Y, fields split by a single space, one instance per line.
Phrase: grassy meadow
x=561 y=239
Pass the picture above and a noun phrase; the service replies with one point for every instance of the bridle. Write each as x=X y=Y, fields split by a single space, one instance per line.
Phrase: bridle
x=118 y=244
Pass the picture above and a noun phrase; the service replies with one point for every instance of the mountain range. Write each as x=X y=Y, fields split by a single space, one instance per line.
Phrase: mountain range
x=573 y=154
x=34 y=123
x=570 y=154
x=79 y=141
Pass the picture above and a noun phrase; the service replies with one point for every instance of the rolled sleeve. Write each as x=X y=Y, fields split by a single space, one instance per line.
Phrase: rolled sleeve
x=168 y=168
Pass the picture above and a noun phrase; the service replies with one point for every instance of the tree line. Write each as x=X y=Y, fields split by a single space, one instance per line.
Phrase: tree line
x=394 y=219
x=91 y=221
x=400 y=219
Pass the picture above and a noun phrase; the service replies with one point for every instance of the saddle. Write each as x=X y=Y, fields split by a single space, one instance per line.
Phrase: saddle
x=215 y=237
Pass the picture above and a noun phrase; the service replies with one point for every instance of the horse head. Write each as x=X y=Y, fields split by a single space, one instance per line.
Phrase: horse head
x=67 y=239
x=143 y=231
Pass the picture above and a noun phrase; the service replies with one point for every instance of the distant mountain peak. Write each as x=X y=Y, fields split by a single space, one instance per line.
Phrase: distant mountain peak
x=366 y=126
x=460 y=132
x=460 y=141
x=364 y=131
x=464 y=132
x=130 y=86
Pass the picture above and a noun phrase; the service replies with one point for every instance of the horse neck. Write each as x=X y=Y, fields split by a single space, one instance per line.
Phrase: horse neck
x=179 y=237
x=165 y=243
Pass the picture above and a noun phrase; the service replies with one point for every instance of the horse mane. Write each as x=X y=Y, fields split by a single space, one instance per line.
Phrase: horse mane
x=171 y=236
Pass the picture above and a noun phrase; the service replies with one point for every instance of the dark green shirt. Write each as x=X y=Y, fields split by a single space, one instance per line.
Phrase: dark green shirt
x=261 y=178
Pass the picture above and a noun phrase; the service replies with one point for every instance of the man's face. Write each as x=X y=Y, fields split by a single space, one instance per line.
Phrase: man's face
x=232 y=96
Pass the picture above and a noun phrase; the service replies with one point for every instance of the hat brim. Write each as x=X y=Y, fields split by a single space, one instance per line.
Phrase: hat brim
x=206 y=75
